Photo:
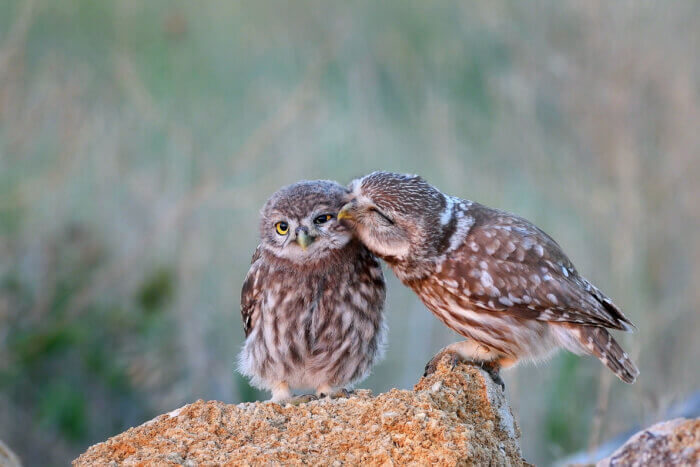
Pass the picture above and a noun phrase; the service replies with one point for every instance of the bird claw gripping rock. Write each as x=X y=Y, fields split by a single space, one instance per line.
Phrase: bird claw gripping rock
x=491 y=368
x=432 y=365
x=337 y=394
x=302 y=399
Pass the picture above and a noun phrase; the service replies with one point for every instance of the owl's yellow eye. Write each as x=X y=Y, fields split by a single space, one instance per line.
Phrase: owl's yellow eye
x=282 y=228
x=323 y=218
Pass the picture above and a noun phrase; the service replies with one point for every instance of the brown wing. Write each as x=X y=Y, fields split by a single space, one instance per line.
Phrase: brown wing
x=250 y=293
x=507 y=264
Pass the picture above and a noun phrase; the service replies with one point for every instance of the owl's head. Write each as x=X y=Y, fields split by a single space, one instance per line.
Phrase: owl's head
x=393 y=214
x=299 y=222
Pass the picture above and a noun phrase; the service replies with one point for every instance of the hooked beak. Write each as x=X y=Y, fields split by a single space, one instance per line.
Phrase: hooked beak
x=304 y=239
x=345 y=213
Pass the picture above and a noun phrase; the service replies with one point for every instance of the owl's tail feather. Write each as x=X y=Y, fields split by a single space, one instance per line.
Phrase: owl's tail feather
x=600 y=343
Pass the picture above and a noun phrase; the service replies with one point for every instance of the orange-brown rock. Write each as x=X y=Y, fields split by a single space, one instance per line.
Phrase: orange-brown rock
x=451 y=417
x=672 y=443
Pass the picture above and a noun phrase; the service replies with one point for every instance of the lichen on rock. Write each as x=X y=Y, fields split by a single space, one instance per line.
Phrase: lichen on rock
x=454 y=416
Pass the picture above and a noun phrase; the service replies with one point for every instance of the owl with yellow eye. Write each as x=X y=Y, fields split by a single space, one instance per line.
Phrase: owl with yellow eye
x=312 y=301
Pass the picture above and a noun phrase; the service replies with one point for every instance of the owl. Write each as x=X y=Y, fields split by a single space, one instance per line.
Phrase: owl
x=493 y=277
x=312 y=300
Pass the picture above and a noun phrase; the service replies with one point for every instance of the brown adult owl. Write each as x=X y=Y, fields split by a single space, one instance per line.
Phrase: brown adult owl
x=313 y=297
x=493 y=277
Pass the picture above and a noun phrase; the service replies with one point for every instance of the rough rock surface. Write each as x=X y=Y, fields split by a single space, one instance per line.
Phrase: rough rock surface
x=451 y=417
x=674 y=443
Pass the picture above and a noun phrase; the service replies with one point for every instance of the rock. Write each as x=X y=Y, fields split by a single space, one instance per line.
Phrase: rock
x=7 y=457
x=451 y=417
x=673 y=443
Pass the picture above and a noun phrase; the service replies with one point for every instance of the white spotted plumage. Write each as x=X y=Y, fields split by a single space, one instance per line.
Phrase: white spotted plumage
x=488 y=274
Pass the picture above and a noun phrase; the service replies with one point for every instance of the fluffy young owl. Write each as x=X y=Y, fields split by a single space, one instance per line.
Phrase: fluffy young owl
x=491 y=276
x=313 y=297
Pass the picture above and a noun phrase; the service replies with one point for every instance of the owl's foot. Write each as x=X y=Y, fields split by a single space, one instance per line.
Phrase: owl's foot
x=337 y=394
x=281 y=392
x=326 y=390
x=301 y=399
x=492 y=368
x=432 y=365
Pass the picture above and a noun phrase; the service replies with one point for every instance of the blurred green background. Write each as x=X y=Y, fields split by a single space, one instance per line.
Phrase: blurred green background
x=138 y=141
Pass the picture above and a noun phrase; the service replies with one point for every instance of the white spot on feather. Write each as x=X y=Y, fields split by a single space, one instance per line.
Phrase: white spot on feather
x=493 y=246
x=486 y=279
x=451 y=283
x=538 y=249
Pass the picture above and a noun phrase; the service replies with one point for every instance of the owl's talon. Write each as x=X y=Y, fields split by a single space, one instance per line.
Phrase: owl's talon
x=337 y=394
x=498 y=380
x=492 y=368
x=432 y=365
x=341 y=393
x=494 y=371
x=302 y=399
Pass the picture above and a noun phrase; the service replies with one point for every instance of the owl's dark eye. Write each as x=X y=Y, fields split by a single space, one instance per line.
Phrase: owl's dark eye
x=322 y=219
x=282 y=228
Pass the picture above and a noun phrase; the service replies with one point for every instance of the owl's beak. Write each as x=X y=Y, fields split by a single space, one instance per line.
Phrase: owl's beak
x=346 y=213
x=304 y=239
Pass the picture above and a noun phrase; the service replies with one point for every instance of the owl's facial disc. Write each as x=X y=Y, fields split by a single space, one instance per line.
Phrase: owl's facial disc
x=304 y=239
x=378 y=228
x=299 y=222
